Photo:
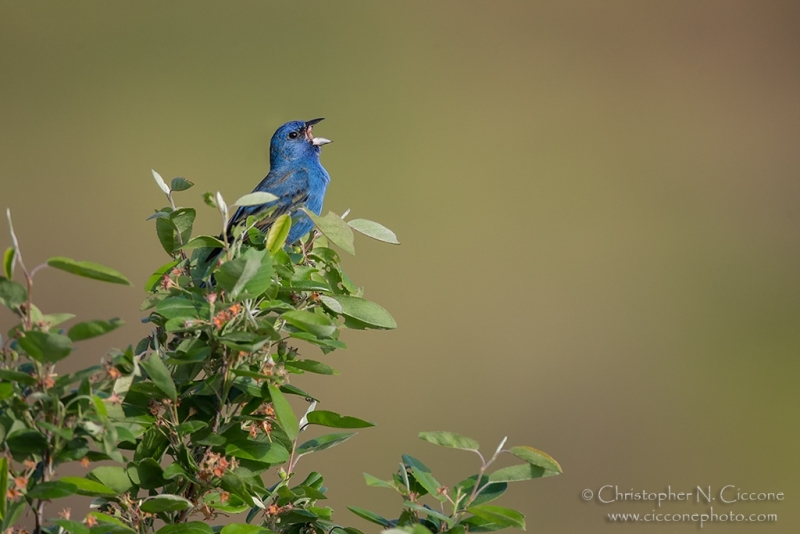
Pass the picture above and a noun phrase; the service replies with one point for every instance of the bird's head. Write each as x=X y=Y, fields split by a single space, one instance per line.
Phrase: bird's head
x=294 y=141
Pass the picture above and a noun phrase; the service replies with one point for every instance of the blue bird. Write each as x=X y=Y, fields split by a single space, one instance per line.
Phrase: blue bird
x=296 y=177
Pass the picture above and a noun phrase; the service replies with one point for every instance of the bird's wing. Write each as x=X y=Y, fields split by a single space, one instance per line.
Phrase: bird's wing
x=290 y=187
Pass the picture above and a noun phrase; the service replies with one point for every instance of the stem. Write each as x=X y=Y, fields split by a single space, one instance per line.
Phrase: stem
x=28 y=277
x=227 y=247
x=224 y=390
x=38 y=515
x=29 y=290
x=292 y=460
x=38 y=268
x=484 y=465
x=492 y=459
x=47 y=469
x=477 y=483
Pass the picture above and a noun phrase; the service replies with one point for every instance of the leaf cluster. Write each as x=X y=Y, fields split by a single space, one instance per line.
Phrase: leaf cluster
x=462 y=508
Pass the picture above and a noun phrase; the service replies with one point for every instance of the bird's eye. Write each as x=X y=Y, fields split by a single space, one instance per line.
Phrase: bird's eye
x=293 y=135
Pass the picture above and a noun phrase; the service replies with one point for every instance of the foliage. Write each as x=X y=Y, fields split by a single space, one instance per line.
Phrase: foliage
x=47 y=419
x=197 y=420
x=468 y=511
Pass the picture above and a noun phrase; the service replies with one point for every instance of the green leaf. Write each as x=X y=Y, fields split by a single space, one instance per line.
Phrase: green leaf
x=374 y=230
x=365 y=311
x=334 y=420
x=317 y=324
x=193 y=527
x=89 y=269
x=312 y=367
x=450 y=439
x=160 y=375
x=250 y=374
x=73 y=527
x=260 y=451
x=209 y=199
x=515 y=473
x=156 y=277
x=538 y=458
x=163 y=214
x=478 y=524
x=165 y=503
x=256 y=199
x=244 y=341
x=180 y=184
x=106 y=518
x=335 y=229
x=166 y=232
x=175 y=470
x=323 y=442
x=113 y=477
x=377 y=482
x=3 y=487
x=499 y=515
x=183 y=219
x=233 y=484
x=90 y=329
x=489 y=492
x=244 y=529
x=326 y=345
x=278 y=232
x=332 y=304
x=429 y=511
x=294 y=390
x=87 y=487
x=45 y=347
x=176 y=229
x=147 y=474
x=100 y=407
x=8 y=262
x=105 y=528
x=423 y=475
x=249 y=274
x=203 y=241
x=179 y=307
x=283 y=412
x=309 y=492
x=190 y=427
x=370 y=516
x=15 y=509
x=124 y=434
x=47 y=491
x=415 y=529
x=54 y=319
x=12 y=294
x=232 y=505
x=160 y=182
x=17 y=376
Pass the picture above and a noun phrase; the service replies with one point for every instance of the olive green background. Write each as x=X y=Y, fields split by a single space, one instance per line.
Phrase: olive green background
x=598 y=205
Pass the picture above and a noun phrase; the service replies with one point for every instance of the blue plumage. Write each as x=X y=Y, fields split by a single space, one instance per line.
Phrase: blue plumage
x=296 y=177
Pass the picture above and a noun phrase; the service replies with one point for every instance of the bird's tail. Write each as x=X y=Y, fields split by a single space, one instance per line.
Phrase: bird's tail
x=213 y=255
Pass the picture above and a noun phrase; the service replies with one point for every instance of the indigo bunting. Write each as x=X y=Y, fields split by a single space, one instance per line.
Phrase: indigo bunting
x=295 y=176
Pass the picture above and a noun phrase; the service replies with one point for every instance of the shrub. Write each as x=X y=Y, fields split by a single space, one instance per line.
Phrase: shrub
x=193 y=422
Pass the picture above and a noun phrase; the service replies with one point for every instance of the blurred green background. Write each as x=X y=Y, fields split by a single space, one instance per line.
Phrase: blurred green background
x=598 y=205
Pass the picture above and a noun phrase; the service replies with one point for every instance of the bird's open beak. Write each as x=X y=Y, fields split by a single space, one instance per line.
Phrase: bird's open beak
x=316 y=141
